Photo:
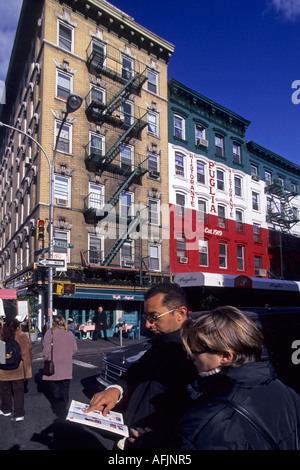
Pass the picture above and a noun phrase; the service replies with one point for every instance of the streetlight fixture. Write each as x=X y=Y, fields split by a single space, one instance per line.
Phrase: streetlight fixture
x=73 y=103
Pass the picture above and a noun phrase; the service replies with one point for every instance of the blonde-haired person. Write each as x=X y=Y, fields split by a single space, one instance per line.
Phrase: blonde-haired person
x=64 y=347
x=226 y=348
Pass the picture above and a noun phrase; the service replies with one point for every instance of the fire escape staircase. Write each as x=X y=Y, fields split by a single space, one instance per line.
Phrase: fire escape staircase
x=282 y=213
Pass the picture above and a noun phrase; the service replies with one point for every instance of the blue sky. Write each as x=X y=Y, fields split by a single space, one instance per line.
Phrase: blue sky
x=243 y=54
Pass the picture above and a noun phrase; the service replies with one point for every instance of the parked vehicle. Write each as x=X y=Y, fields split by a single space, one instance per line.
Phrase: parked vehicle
x=281 y=329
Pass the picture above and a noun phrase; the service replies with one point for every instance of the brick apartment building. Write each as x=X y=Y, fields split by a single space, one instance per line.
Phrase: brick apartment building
x=111 y=163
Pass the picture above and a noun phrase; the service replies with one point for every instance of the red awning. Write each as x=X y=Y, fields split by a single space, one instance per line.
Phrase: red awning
x=8 y=294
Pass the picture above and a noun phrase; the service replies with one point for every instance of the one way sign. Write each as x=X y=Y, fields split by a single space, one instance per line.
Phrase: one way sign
x=47 y=263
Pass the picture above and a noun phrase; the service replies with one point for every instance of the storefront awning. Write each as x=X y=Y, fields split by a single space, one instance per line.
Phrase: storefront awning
x=226 y=280
x=108 y=294
x=8 y=294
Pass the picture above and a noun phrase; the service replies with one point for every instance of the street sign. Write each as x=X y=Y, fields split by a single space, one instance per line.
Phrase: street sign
x=63 y=244
x=47 y=263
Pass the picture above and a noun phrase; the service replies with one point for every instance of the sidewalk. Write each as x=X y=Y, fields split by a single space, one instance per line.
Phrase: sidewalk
x=88 y=346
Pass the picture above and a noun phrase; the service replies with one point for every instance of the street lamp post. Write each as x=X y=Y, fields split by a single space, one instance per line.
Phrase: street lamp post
x=73 y=103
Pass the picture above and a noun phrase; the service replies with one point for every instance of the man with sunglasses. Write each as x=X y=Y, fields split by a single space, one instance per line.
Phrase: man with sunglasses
x=154 y=393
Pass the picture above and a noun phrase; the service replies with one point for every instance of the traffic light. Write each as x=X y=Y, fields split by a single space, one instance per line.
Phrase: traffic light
x=69 y=289
x=41 y=230
x=58 y=288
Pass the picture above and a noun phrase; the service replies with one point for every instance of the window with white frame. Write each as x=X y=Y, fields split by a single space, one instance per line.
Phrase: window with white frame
x=200 y=172
x=181 y=248
x=202 y=211
x=240 y=257
x=219 y=144
x=221 y=216
x=96 y=249
x=97 y=95
x=237 y=153
x=256 y=233
x=126 y=205
x=96 y=146
x=127 y=111
x=154 y=257
x=99 y=53
x=152 y=123
x=127 y=254
x=152 y=83
x=239 y=220
x=180 y=204
x=254 y=173
x=255 y=201
x=63 y=85
x=223 y=255
x=64 y=143
x=179 y=164
x=179 y=127
x=203 y=252
x=62 y=190
x=153 y=163
x=268 y=178
x=96 y=197
x=153 y=211
x=127 y=67
x=65 y=36
x=126 y=157
x=220 y=180
x=237 y=186
x=200 y=134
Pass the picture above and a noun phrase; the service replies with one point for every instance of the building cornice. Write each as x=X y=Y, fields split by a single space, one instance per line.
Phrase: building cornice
x=273 y=158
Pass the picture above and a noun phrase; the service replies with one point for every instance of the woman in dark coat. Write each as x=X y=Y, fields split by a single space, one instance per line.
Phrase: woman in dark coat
x=226 y=348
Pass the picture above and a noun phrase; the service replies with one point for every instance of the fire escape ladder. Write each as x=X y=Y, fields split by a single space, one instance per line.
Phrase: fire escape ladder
x=120 y=242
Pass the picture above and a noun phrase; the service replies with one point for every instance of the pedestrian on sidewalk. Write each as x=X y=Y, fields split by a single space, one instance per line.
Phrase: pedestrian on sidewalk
x=64 y=347
x=12 y=381
x=100 y=322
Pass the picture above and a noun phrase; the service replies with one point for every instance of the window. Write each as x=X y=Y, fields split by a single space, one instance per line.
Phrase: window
x=127 y=111
x=239 y=221
x=200 y=135
x=294 y=187
x=180 y=204
x=61 y=190
x=219 y=143
x=179 y=164
x=127 y=67
x=97 y=95
x=221 y=216
x=152 y=123
x=154 y=257
x=181 y=248
x=280 y=181
x=202 y=211
x=220 y=180
x=95 y=196
x=153 y=163
x=99 y=53
x=96 y=145
x=126 y=157
x=268 y=178
x=254 y=173
x=256 y=233
x=240 y=257
x=203 y=252
x=237 y=186
x=222 y=255
x=64 y=141
x=64 y=85
x=255 y=201
x=126 y=205
x=65 y=37
x=152 y=83
x=200 y=172
x=127 y=256
x=257 y=263
x=153 y=212
x=95 y=250
x=179 y=130
x=237 y=155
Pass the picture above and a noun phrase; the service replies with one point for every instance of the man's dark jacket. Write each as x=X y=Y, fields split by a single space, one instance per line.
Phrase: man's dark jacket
x=155 y=388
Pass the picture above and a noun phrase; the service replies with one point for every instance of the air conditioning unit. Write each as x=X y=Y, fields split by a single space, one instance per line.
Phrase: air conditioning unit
x=182 y=260
x=255 y=178
x=154 y=174
x=61 y=202
x=127 y=263
x=260 y=272
x=202 y=142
